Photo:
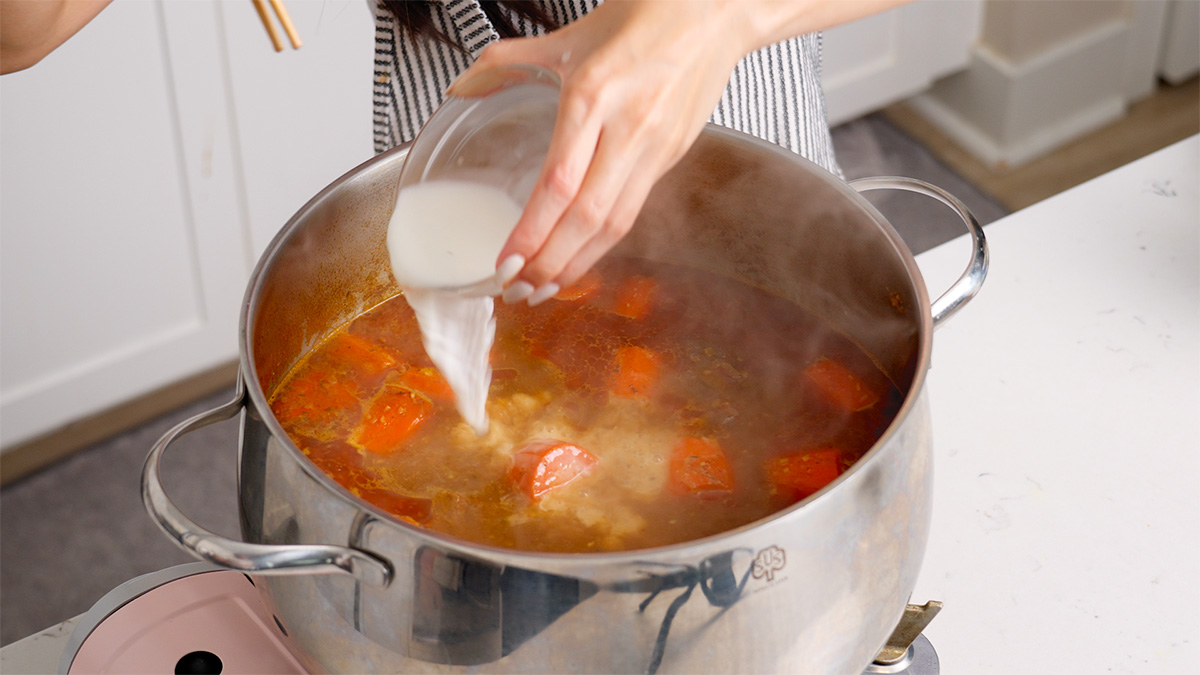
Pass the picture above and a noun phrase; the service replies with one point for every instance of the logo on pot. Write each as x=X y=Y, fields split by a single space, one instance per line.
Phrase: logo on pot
x=768 y=561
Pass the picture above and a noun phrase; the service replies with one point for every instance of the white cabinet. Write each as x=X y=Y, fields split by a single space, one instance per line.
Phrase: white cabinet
x=148 y=161
x=1180 y=57
x=304 y=116
x=882 y=59
x=143 y=167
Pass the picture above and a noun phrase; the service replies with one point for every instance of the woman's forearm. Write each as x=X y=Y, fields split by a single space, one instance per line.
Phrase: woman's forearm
x=765 y=22
x=31 y=29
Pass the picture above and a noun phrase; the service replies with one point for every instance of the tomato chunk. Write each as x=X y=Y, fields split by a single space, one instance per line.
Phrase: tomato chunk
x=546 y=464
x=413 y=509
x=394 y=416
x=316 y=396
x=800 y=474
x=360 y=353
x=636 y=372
x=427 y=381
x=583 y=287
x=699 y=465
x=635 y=297
x=341 y=461
x=841 y=386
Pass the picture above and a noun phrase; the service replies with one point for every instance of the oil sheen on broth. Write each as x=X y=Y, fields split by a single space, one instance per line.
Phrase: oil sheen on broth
x=627 y=412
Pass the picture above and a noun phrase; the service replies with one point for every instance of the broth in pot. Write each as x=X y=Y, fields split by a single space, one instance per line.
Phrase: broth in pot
x=628 y=412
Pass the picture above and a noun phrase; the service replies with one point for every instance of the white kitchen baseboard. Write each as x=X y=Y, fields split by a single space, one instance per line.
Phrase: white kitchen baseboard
x=41 y=452
x=1007 y=114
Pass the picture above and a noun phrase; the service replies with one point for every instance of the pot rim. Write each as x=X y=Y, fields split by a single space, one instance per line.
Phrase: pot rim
x=258 y=400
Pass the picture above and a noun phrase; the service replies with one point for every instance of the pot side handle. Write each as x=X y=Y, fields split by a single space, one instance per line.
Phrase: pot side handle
x=238 y=555
x=961 y=292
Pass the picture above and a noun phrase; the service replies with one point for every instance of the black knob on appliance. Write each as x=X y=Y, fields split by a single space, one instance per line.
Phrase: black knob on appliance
x=199 y=663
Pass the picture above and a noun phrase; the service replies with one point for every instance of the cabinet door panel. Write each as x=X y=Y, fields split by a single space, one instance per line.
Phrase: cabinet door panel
x=118 y=275
x=874 y=62
x=303 y=116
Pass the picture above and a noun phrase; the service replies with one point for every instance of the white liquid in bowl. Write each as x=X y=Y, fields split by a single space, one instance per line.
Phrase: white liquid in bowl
x=447 y=234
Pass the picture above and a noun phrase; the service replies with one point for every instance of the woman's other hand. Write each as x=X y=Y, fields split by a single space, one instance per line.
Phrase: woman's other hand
x=31 y=29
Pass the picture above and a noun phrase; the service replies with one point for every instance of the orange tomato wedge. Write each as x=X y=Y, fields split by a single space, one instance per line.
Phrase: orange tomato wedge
x=415 y=510
x=636 y=372
x=699 y=465
x=547 y=464
x=800 y=474
x=392 y=418
x=359 y=352
x=635 y=297
x=316 y=396
x=841 y=386
x=583 y=287
x=427 y=381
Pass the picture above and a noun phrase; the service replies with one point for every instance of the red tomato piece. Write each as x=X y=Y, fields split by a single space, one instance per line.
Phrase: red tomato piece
x=394 y=416
x=841 y=386
x=635 y=297
x=800 y=474
x=413 y=509
x=341 y=461
x=360 y=353
x=583 y=287
x=427 y=381
x=699 y=465
x=547 y=464
x=636 y=372
x=316 y=396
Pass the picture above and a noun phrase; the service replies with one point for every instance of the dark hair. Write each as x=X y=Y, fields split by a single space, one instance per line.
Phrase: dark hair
x=415 y=17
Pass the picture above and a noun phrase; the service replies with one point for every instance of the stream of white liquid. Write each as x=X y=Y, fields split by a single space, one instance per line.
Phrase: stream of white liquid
x=446 y=235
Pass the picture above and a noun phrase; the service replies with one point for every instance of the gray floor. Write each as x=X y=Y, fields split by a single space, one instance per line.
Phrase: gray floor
x=73 y=532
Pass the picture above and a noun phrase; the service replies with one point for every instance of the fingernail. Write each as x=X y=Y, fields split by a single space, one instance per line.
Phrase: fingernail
x=543 y=293
x=510 y=268
x=518 y=291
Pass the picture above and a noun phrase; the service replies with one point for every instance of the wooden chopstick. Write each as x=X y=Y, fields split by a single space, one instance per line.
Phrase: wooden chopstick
x=288 y=27
x=261 y=6
x=286 y=20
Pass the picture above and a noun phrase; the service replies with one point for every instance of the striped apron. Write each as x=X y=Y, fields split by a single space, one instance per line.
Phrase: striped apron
x=774 y=93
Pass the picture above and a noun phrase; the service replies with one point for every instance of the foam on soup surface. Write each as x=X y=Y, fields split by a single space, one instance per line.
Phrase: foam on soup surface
x=645 y=405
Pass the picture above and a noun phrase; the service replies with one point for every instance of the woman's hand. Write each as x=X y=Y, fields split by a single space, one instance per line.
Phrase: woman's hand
x=639 y=81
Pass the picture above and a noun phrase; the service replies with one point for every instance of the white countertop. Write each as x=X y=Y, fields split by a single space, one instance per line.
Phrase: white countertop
x=1066 y=423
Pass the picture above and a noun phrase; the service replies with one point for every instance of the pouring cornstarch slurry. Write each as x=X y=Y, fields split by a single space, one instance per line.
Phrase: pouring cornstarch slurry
x=443 y=240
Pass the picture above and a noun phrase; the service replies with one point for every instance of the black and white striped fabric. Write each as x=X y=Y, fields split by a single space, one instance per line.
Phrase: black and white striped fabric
x=774 y=93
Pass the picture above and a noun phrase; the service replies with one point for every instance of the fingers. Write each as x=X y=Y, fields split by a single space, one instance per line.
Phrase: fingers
x=601 y=215
x=629 y=107
x=598 y=216
x=568 y=225
x=569 y=160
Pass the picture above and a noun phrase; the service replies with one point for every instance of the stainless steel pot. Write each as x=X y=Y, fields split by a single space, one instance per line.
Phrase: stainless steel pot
x=815 y=588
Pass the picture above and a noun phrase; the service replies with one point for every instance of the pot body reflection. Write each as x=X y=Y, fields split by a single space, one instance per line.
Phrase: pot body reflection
x=815 y=588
